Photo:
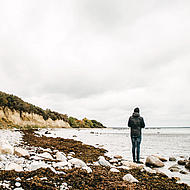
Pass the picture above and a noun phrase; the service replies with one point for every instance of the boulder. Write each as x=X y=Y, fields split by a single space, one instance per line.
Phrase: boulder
x=132 y=165
x=103 y=162
x=77 y=163
x=130 y=178
x=114 y=170
x=182 y=162
x=153 y=161
x=14 y=166
x=6 y=148
x=172 y=159
x=188 y=165
x=21 y=152
x=61 y=156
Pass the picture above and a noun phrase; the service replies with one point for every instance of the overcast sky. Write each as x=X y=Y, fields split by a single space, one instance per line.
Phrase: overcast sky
x=99 y=58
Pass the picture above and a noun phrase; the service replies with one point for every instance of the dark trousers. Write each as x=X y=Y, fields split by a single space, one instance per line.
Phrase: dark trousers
x=136 y=141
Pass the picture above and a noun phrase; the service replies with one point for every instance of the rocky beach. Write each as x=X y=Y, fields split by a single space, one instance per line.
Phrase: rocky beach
x=31 y=160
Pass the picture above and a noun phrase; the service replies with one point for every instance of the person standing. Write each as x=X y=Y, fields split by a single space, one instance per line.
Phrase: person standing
x=136 y=123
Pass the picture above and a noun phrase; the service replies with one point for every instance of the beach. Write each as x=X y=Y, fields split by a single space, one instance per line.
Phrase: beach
x=54 y=162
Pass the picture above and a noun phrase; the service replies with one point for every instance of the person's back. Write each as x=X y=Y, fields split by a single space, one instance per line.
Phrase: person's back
x=136 y=123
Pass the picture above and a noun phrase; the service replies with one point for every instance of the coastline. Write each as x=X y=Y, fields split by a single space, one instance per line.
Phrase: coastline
x=101 y=177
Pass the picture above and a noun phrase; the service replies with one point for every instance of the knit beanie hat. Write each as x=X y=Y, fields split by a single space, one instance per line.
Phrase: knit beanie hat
x=136 y=110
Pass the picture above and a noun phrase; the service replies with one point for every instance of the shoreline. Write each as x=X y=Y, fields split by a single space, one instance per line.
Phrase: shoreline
x=101 y=177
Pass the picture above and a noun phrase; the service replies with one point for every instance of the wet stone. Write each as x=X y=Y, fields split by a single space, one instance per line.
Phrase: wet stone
x=182 y=162
x=183 y=172
x=172 y=159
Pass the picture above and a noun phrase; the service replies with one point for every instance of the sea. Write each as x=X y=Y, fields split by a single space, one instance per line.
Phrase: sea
x=162 y=141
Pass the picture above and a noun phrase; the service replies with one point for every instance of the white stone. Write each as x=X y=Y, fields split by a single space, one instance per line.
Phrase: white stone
x=36 y=165
x=21 y=152
x=46 y=155
x=124 y=167
x=113 y=160
x=130 y=178
x=36 y=158
x=88 y=169
x=6 y=148
x=154 y=161
x=77 y=163
x=103 y=162
x=17 y=184
x=69 y=157
x=71 y=153
x=18 y=179
x=13 y=166
x=19 y=160
x=96 y=164
x=60 y=164
x=60 y=156
x=149 y=170
x=63 y=186
x=53 y=170
x=44 y=178
x=1 y=165
x=114 y=170
x=2 y=157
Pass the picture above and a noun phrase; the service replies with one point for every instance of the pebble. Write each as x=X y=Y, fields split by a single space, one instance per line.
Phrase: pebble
x=114 y=170
x=172 y=159
x=183 y=172
x=17 y=184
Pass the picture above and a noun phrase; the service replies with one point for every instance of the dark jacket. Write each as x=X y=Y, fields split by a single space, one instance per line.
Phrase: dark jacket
x=136 y=123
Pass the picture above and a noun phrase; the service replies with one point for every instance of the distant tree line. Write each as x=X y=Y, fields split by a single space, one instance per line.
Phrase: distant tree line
x=75 y=123
x=16 y=103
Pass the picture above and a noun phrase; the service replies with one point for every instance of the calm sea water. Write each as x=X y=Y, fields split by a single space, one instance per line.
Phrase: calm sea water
x=165 y=142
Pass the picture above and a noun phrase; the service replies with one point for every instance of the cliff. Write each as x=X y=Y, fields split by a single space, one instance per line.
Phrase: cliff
x=12 y=117
x=16 y=112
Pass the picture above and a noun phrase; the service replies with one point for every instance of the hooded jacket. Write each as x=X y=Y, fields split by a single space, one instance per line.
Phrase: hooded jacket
x=136 y=123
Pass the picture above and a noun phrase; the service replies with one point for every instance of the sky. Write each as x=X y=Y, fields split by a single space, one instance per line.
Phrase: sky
x=99 y=58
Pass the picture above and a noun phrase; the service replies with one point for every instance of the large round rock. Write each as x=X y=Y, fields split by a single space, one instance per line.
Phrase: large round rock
x=153 y=161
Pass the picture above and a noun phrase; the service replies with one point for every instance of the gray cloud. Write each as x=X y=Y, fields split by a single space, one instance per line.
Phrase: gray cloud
x=99 y=59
